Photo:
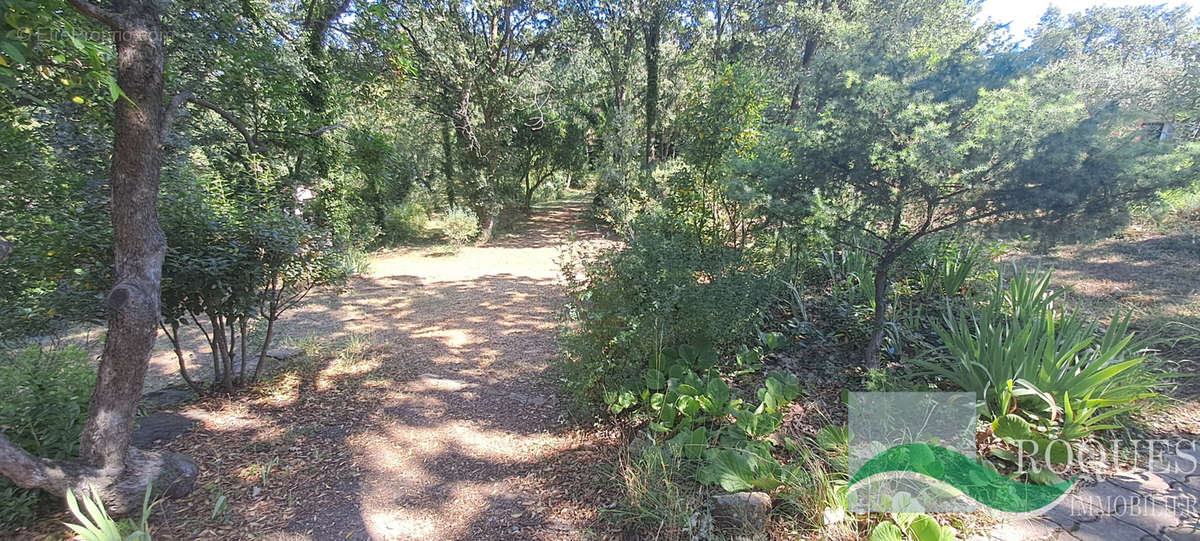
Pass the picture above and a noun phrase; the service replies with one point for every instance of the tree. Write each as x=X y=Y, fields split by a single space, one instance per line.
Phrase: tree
x=108 y=463
x=909 y=135
x=479 y=66
x=230 y=266
x=553 y=145
x=654 y=16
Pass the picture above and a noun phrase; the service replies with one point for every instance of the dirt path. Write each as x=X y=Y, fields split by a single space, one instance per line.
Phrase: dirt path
x=443 y=425
x=456 y=450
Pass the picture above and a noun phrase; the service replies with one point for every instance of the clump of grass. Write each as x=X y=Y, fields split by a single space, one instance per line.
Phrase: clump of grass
x=662 y=501
x=357 y=262
x=816 y=499
x=355 y=349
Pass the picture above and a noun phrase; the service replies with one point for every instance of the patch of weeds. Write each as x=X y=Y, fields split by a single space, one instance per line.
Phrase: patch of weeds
x=220 y=502
x=815 y=497
x=356 y=262
x=662 y=500
x=355 y=349
x=315 y=347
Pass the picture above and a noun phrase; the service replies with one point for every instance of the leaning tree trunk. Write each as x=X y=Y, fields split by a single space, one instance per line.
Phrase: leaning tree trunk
x=120 y=473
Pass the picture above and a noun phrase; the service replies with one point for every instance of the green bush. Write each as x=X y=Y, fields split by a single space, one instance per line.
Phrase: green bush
x=661 y=291
x=1057 y=370
x=460 y=225
x=404 y=222
x=46 y=393
x=227 y=268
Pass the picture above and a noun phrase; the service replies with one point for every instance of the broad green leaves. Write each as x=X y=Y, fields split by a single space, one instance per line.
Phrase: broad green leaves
x=47 y=50
x=686 y=400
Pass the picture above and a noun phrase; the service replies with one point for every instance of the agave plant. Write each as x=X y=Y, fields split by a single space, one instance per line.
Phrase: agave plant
x=1018 y=354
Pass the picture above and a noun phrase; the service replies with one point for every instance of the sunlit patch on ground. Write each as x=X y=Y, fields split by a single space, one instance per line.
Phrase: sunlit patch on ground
x=421 y=410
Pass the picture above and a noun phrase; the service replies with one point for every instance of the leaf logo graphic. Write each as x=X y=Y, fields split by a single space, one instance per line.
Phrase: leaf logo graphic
x=963 y=474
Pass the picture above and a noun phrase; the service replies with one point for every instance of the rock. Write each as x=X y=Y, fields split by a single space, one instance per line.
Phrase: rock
x=160 y=427
x=284 y=354
x=166 y=397
x=741 y=514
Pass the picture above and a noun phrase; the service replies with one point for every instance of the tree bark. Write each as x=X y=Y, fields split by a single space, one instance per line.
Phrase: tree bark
x=653 y=30
x=879 y=318
x=107 y=462
x=448 y=163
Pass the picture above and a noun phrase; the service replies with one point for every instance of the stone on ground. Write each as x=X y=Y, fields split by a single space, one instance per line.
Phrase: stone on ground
x=744 y=513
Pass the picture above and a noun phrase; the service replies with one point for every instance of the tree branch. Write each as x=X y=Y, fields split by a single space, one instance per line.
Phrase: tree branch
x=28 y=471
x=253 y=143
x=113 y=19
x=177 y=102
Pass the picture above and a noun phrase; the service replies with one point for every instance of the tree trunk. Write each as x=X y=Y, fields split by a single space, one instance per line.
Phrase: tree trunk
x=107 y=462
x=653 y=29
x=487 y=223
x=262 y=353
x=448 y=163
x=879 y=318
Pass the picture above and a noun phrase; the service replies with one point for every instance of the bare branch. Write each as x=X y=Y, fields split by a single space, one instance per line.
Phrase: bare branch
x=252 y=142
x=172 y=111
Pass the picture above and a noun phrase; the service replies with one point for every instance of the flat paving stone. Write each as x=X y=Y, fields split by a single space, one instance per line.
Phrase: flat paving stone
x=1136 y=505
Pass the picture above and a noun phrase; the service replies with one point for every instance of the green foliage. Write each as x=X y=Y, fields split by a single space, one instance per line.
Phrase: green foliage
x=43 y=411
x=404 y=222
x=953 y=267
x=460 y=225
x=688 y=402
x=231 y=265
x=1058 y=370
x=47 y=42
x=912 y=527
x=97 y=525
x=661 y=291
x=56 y=223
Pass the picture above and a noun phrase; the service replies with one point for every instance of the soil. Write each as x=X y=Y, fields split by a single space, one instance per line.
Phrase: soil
x=428 y=408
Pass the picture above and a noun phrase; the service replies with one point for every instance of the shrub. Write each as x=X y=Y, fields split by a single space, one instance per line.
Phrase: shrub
x=661 y=291
x=1020 y=355
x=688 y=403
x=404 y=222
x=227 y=269
x=43 y=411
x=460 y=225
